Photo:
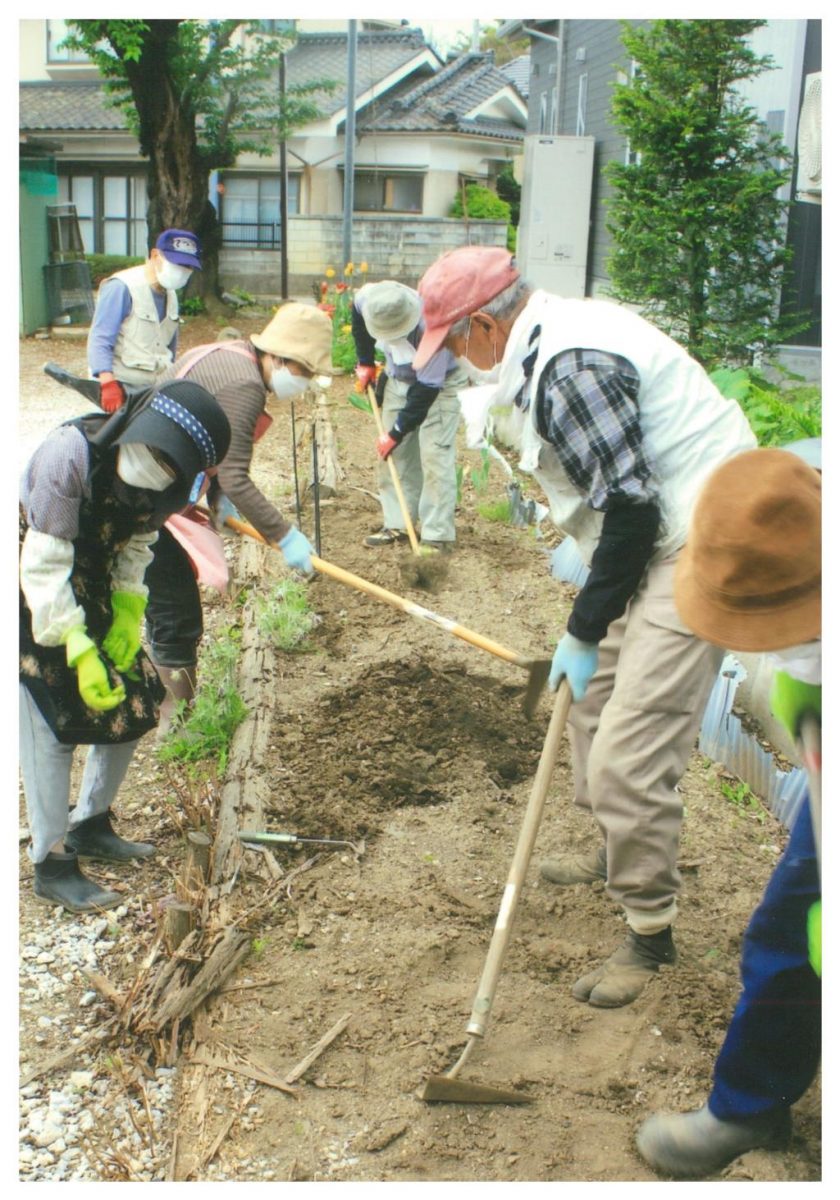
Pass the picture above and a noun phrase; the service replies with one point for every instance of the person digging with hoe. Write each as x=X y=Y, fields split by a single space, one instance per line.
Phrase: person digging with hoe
x=750 y=579
x=281 y=360
x=420 y=411
x=134 y=332
x=621 y=428
x=92 y=499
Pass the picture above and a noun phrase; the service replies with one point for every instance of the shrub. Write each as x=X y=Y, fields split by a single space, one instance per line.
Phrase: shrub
x=778 y=413
x=103 y=265
x=483 y=204
x=217 y=709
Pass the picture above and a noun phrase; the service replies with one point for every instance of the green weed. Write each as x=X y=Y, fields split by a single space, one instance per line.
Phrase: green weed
x=217 y=709
x=496 y=510
x=285 y=617
x=258 y=946
x=742 y=797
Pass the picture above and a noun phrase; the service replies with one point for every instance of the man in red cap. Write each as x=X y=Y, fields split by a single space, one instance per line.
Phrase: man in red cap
x=621 y=428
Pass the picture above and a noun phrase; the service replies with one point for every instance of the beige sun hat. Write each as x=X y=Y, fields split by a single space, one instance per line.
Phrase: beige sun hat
x=391 y=310
x=302 y=333
x=750 y=574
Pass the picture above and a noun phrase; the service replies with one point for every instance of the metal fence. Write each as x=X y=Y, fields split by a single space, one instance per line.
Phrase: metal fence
x=251 y=235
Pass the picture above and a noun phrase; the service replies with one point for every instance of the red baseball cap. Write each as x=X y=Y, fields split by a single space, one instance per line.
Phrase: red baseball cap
x=457 y=285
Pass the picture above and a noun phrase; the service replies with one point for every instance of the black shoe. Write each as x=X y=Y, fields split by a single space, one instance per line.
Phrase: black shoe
x=386 y=537
x=95 y=838
x=58 y=880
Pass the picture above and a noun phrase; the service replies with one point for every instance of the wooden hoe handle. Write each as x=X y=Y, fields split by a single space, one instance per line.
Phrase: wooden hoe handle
x=395 y=479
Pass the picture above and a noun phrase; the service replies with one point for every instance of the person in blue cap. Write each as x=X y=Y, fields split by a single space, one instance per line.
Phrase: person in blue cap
x=134 y=332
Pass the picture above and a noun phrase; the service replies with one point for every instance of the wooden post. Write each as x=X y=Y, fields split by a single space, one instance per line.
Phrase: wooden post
x=196 y=869
x=178 y=921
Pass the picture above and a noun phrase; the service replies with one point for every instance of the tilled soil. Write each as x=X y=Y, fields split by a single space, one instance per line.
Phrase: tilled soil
x=389 y=732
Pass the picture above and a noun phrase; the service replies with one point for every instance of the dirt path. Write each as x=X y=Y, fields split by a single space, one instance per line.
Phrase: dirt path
x=391 y=731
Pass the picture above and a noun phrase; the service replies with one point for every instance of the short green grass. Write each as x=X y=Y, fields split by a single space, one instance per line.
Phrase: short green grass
x=284 y=616
x=217 y=710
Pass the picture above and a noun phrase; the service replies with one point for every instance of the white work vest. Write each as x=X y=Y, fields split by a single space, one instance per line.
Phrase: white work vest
x=688 y=428
x=141 y=351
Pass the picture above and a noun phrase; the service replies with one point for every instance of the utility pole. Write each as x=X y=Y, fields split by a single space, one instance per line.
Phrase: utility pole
x=349 y=142
x=284 y=202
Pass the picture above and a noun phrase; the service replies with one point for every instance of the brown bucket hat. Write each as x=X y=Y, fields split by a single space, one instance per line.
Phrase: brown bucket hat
x=300 y=332
x=749 y=577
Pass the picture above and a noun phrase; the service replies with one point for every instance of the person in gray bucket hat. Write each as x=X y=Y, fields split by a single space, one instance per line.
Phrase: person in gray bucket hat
x=92 y=499
x=420 y=411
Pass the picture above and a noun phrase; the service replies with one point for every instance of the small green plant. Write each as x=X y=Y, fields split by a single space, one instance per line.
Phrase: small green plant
x=459 y=483
x=258 y=946
x=480 y=475
x=777 y=414
x=298 y=943
x=483 y=204
x=740 y=794
x=495 y=510
x=217 y=710
x=193 y=306
x=242 y=295
x=284 y=616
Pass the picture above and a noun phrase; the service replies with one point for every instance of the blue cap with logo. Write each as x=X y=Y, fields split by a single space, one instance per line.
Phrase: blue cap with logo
x=180 y=246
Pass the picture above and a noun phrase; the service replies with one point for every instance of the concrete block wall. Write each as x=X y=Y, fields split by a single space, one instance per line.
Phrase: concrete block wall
x=393 y=248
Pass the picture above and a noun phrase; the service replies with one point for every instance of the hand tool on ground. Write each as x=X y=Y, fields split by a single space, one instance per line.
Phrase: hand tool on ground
x=537 y=668
x=395 y=479
x=449 y=1087
x=291 y=839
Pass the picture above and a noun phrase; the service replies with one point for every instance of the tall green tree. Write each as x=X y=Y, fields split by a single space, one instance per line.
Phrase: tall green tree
x=488 y=40
x=698 y=226
x=196 y=94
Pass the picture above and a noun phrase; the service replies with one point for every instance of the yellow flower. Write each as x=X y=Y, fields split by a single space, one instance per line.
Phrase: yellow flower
x=348 y=270
x=346 y=328
x=363 y=268
x=330 y=273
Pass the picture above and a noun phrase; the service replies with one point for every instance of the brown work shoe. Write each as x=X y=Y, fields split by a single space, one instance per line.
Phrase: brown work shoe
x=576 y=868
x=628 y=970
x=386 y=537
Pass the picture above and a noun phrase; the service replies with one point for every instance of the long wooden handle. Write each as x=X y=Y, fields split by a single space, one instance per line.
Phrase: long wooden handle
x=407 y=606
x=811 y=735
x=486 y=990
x=395 y=479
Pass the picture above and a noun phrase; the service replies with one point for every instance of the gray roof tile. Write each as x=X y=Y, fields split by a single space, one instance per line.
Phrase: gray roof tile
x=69 y=105
x=323 y=57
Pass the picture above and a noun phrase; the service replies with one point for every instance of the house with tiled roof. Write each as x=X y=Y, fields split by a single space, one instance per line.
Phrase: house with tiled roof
x=423 y=129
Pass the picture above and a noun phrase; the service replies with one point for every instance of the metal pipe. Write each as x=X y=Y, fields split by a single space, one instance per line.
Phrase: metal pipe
x=349 y=142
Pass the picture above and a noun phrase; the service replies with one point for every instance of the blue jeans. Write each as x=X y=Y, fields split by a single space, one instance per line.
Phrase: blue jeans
x=772 y=1048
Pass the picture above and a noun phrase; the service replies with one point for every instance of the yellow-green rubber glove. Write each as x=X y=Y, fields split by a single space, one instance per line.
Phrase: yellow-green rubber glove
x=122 y=641
x=815 y=936
x=91 y=673
x=790 y=700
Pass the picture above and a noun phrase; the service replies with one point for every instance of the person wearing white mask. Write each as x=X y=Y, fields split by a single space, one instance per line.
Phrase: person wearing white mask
x=134 y=332
x=279 y=361
x=92 y=499
x=750 y=579
x=420 y=411
x=620 y=427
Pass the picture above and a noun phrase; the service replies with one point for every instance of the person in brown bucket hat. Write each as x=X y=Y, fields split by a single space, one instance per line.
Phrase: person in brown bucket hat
x=749 y=578
x=295 y=345
x=750 y=575
x=620 y=427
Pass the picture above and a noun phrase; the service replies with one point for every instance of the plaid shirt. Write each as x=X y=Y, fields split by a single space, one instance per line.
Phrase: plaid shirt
x=587 y=407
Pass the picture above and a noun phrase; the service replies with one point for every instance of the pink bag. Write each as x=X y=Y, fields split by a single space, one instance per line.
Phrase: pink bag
x=193 y=531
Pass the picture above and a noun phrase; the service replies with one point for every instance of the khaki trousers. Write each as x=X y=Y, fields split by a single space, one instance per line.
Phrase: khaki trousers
x=631 y=738
x=425 y=462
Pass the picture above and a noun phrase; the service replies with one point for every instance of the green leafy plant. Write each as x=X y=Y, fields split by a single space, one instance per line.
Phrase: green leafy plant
x=258 y=946
x=480 y=475
x=284 y=616
x=103 y=265
x=740 y=794
x=193 y=306
x=217 y=710
x=483 y=204
x=495 y=510
x=777 y=414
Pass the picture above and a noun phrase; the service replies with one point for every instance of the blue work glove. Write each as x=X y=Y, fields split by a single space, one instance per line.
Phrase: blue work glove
x=198 y=484
x=576 y=661
x=297 y=551
x=222 y=509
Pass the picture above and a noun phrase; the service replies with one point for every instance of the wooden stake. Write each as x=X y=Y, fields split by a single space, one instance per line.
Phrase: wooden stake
x=178 y=921
x=196 y=869
x=317 y=1050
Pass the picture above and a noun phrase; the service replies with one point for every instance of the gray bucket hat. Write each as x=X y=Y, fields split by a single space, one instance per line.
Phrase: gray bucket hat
x=390 y=309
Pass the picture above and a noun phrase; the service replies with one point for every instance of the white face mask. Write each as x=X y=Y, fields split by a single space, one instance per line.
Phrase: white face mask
x=803 y=662
x=285 y=385
x=476 y=375
x=138 y=467
x=171 y=275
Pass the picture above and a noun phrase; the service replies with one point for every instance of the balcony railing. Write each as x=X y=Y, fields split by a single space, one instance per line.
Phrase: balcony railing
x=251 y=235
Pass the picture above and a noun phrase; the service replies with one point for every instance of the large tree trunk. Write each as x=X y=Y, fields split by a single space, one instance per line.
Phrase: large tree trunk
x=179 y=183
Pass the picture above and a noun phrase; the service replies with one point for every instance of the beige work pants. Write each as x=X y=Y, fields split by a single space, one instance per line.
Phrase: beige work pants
x=425 y=462
x=631 y=737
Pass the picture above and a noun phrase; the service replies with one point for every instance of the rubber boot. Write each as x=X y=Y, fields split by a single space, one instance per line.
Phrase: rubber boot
x=576 y=868
x=95 y=838
x=692 y=1145
x=58 y=880
x=180 y=684
x=627 y=971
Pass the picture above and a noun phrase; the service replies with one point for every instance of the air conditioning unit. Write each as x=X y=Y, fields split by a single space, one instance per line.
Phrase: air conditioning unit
x=809 y=142
x=553 y=241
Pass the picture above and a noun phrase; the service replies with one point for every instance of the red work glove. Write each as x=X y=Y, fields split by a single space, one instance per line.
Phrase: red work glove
x=365 y=377
x=385 y=444
x=111 y=395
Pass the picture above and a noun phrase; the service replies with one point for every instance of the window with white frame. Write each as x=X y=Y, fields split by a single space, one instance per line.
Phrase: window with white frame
x=111 y=206
x=57 y=31
x=388 y=191
x=250 y=208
